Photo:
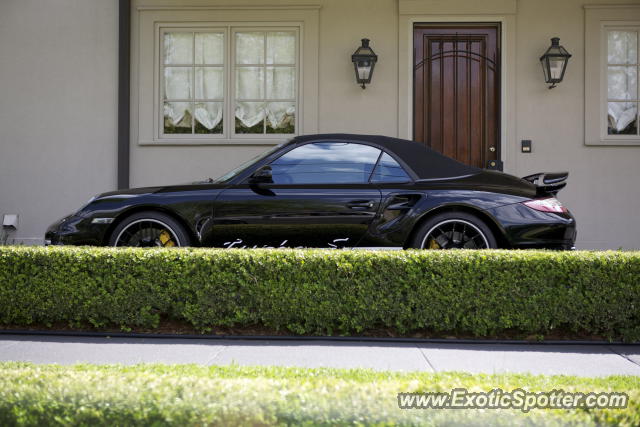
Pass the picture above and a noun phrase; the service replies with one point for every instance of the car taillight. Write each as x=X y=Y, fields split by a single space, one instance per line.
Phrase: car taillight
x=549 y=204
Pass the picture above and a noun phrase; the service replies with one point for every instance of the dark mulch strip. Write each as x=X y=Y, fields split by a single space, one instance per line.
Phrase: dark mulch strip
x=178 y=327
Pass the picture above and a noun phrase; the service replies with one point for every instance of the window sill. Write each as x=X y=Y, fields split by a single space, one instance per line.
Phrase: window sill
x=187 y=142
x=626 y=142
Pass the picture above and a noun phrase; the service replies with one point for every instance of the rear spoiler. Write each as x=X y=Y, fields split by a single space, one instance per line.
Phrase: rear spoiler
x=548 y=182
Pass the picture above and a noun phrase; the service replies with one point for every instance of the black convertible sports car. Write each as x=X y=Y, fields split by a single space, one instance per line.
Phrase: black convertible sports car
x=334 y=190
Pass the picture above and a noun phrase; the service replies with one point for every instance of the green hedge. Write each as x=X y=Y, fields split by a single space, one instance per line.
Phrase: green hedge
x=480 y=293
x=188 y=395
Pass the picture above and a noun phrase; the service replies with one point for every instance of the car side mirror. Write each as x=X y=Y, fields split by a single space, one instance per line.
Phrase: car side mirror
x=262 y=176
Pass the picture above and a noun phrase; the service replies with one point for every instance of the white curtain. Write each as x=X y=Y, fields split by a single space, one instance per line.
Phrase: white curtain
x=179 y=84
x=177 y=113
x=621 y=115
x=265 y=78
x=280 y=114
x=250 y=113
x=270 y=77
x=622 y=78
x=209 y=114
x=280 y=84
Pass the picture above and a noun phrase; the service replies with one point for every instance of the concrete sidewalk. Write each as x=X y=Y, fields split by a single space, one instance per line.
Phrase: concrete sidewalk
x=580 y=360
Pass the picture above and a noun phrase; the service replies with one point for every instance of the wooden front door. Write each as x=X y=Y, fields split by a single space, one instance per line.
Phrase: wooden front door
x=457 y=91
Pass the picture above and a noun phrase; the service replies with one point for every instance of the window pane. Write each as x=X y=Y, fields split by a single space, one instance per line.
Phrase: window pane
x=281 y=117
x=326 y=163
x=622 y=47
x=622 y=83
x=209 y=83
x=250 y=117
x=177 y=117
x=555 y=68
x=388 y=170
x=281 y=82
x=208 y=117
x=622 y=118
x=209 y=48
x=250 y=48
x=249 y=83
x=177 y=83
x=178 y=48
x=281 y=48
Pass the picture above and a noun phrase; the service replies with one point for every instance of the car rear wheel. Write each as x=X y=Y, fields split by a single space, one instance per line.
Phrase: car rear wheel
x=149 y=229
x=454 y=230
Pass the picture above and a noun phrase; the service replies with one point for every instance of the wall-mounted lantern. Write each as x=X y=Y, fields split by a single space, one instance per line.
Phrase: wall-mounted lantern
x=554 y=62
x=364 y=60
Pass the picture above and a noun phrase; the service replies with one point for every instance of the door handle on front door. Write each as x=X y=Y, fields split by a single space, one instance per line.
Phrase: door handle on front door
x=360 y=204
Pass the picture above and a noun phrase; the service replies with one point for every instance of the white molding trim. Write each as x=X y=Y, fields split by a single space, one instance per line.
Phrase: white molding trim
x=611 y=6
x=453 y=7
x=232 y=7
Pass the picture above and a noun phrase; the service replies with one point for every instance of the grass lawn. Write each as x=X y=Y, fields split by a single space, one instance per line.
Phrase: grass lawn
x=196 y=395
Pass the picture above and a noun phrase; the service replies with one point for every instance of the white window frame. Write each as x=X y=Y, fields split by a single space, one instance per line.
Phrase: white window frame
x=229 y=67
x=146 y=119
x=599 y=19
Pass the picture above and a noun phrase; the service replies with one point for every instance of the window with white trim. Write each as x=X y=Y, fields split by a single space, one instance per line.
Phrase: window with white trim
x=622 y=68
x=611 y=74
x=223 y=83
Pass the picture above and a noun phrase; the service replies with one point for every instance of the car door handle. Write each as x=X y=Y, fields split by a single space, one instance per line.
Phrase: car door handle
x=360 y=205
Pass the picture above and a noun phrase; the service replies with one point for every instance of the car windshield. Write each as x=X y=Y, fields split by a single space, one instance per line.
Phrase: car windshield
x=235 y=172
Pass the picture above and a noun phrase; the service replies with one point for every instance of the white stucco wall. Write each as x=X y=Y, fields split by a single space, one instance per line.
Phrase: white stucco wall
x=58 y=83
x=58 y=92
x=603 y=191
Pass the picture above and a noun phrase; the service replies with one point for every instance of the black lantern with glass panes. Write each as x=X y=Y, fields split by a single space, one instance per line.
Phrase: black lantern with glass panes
x=364 y=60
x=554 y=63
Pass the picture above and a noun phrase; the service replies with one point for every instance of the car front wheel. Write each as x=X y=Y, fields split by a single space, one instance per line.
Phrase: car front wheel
x=454 y=230
x=149 y=229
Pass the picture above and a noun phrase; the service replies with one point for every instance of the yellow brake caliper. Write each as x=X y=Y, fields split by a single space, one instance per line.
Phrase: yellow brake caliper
x=433 y=244
x=165 y=239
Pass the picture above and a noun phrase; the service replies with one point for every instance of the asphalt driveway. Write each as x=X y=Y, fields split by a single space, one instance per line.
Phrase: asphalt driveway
x=580 y=360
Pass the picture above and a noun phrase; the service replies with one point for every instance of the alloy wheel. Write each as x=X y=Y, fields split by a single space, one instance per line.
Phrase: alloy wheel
x=147 y=233
x=455 y=234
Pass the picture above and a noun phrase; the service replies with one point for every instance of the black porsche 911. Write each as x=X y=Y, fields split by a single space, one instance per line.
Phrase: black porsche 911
x=334 y=190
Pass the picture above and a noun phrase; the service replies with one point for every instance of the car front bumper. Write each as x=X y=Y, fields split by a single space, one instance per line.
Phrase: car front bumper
x=76 y=230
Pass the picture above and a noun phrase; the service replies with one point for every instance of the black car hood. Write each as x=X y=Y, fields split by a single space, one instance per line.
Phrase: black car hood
x=132 y=192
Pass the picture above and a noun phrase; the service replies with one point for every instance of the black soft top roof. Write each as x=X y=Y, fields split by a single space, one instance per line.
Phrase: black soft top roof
x=425 y=162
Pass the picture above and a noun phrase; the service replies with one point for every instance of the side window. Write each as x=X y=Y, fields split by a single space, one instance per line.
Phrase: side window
x=326 y=163
x=622 y=81
x=388 y=170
